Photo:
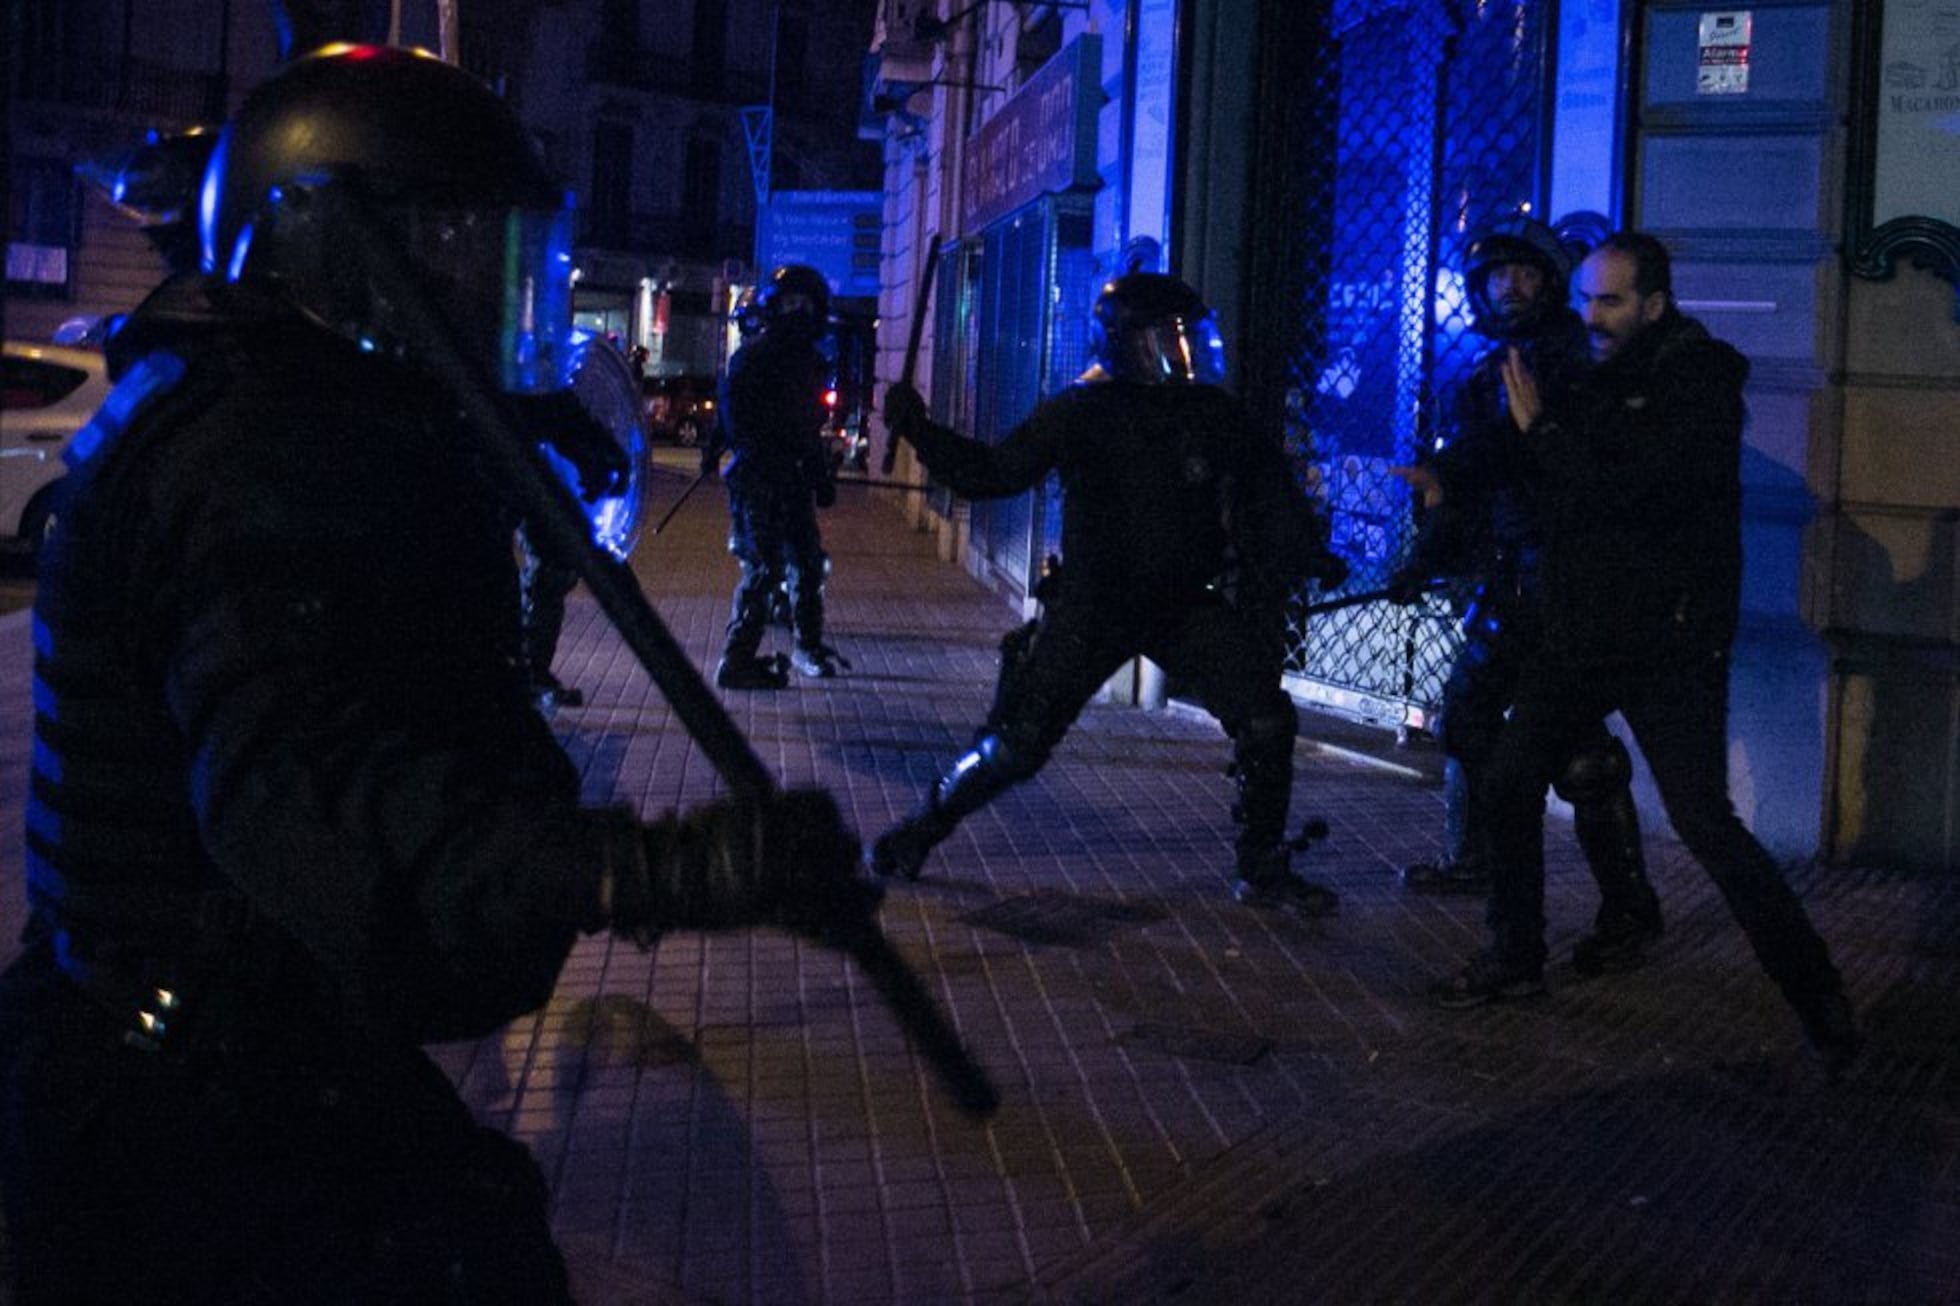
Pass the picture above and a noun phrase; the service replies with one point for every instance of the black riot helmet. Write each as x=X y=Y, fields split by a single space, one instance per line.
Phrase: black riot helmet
x=747 y=315
x=1154 y=329
x=1515 y=240
x=157 y=184
x=445 y=171
x=794 y=297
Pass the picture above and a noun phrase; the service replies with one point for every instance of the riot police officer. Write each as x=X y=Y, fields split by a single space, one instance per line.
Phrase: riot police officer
x=772 y=415
x=292 y=814
x=597 y=469
x=1486 y=527
x=1184 y=532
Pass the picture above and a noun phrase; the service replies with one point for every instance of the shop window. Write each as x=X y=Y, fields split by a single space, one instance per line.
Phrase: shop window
x=792 y=55
x=619 y=22
x=42 y=229
x=612 y=182
x=1038 y=43
x=701 y=195
x=709 y=55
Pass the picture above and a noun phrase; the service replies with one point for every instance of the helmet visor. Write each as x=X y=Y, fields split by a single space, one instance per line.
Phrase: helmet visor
x=603 y=382
x=1170 y=351
x=535 y=340
x=504 y=280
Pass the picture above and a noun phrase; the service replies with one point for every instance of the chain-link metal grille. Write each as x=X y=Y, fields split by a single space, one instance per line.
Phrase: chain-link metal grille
x=1390 y=134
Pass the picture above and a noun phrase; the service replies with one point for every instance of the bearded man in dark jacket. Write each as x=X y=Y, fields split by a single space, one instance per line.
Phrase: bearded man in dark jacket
x=1643 y=570
x=1483 y=522
x=292 y=814
x=1184 y=532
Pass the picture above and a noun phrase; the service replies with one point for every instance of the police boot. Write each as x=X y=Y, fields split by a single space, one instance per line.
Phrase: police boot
x=1629 y=916
x=818 y=661
x=548 y=691
x=987 y=770
x=1266 y=879
x=903 y=849
x=1830 y=1029
x=1264 y=876
x=749 y=671
x=1464 y=868
x=1468 y=874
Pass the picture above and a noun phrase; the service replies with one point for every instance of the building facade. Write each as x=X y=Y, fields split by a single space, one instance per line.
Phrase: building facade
x=85 y=82
x=671 y=119
x=1316 y=170
x=676 y=120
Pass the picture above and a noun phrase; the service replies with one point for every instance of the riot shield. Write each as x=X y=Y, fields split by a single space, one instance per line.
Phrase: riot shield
x=602 y=380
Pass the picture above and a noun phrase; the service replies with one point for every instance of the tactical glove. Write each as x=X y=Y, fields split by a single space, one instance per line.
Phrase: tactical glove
x=1406 y=586
x=826 y=492
x=602 y=470
x=905 y=410
x=785 y=861
x=562 y=422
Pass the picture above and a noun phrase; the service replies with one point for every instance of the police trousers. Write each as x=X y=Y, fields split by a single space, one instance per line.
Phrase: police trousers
x=1677 y=708
x=255 y=1163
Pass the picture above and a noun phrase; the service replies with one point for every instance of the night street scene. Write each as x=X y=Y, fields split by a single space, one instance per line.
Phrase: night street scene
x=980 y=651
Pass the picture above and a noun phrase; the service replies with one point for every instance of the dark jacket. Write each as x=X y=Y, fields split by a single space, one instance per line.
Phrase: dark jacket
x=275 y=698
x=1167 y=490
x=772 y=411
x=1642 y=473
x=1488 y=521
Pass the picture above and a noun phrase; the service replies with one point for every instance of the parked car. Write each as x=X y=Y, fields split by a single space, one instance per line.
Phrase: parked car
x=47 y=394
x=845 y=438
x=680 y=409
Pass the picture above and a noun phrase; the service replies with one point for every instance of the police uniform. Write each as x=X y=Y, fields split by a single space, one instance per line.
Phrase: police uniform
x=291 y=813
x=1184 y=531
x=773 y=414
x=1488 y=528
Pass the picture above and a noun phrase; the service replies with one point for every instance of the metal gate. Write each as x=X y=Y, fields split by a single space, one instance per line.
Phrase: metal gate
x=1012 y=334
x=1390 y=133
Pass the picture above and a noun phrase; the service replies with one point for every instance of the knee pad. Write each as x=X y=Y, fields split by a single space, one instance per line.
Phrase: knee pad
x=1469 y=736
x=1271 y=728
x=1009 y=754
x=759 y=572
x=1598 y=770
x=989 y=767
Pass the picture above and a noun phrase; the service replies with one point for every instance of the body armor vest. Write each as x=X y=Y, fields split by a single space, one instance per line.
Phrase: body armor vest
x=114 y=861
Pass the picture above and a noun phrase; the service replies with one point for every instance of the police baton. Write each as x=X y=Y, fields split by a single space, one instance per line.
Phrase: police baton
x=547 y=507
x=874 y=483
x=692 y=486
x=1386 y=593
x=915 y=333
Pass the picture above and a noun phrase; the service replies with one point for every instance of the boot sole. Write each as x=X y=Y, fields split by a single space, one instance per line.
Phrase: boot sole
x=1618 y=963
x=1592 y=960
x=1312 y=908
x=1451 y=999
x=1447 y=888
x=890 y=867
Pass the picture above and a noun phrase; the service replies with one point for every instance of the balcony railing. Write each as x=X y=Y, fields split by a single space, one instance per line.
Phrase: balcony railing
x=136 y=87
x=642 y=70
x=668 y=234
